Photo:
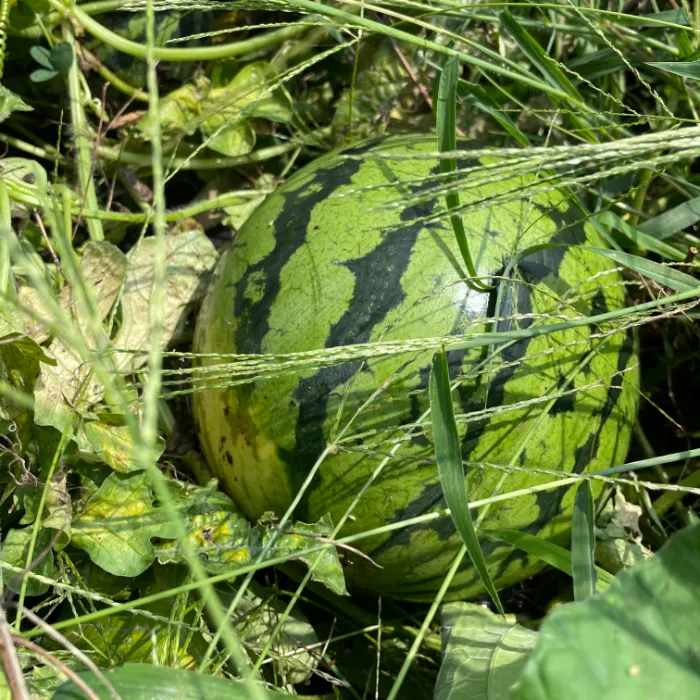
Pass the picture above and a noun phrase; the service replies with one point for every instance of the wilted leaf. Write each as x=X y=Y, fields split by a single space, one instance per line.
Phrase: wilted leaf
x=60 y=510
x=20 y=360
x=9 y=102
x=179 y=111
x=636 y=640
x=15 y=548
x=483 y=654
x=294 y=660
x=618 y=537
x=190 y=256
x=117 y=525
x=71 y=385
x=228 y=109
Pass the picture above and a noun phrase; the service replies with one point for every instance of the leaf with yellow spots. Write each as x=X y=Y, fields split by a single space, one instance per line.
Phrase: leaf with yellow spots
x=118 y=522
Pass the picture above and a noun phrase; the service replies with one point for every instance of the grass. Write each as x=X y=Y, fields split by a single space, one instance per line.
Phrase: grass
x=596 y=98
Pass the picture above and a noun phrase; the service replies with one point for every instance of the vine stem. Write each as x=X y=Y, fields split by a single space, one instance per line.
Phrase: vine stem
x=163 y=53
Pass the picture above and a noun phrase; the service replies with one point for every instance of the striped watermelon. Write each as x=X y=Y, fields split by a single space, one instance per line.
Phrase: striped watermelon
x=351 y=249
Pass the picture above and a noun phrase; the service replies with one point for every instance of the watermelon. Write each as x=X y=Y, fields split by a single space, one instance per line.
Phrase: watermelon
x=355 y=248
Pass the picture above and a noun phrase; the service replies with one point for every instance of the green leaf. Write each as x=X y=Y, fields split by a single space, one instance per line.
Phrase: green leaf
x=62 y=57
x=230 y=139
x=639 y=238
x=9 y=102
x=686 y=69
x=146 y=682
x=668 y=276
x=583 y=543
x=41 y=75
x=42 y=56
x=483 y=654
x=548 y=552
x=117 y=525
x=15 y=547
x=448 y=452
x=639 y=639
x=179 y=112
x=673 y=221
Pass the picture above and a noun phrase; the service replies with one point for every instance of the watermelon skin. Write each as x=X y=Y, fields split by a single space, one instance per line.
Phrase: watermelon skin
x=324 y=262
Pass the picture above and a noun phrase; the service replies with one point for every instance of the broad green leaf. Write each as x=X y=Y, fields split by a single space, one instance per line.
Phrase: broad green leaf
x=583 y=543
x=448 y=452
x=548 y=552
x=190 y=257
x=672 y=221
x=20 y=363
x=639 y=238
x=637 y=640
x=483 y=654
x=117 y=525
x=686 y=69
x=146 y=682
x=668 y=276
x=15 y=546
x=9 y=102
x=228 y=137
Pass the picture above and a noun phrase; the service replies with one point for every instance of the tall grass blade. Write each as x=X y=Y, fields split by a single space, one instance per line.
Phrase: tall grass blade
x=673 y=221
x=686 y=69
x=548 y=552
x=668 y=276
x=547 y=67
x=583 y=543
x=640 y=238
x=446 y=121
x=448 y=452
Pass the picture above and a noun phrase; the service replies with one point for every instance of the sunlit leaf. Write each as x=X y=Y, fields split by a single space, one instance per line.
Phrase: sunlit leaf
x=483 y=654
x=636 y=640
x=583 y=543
